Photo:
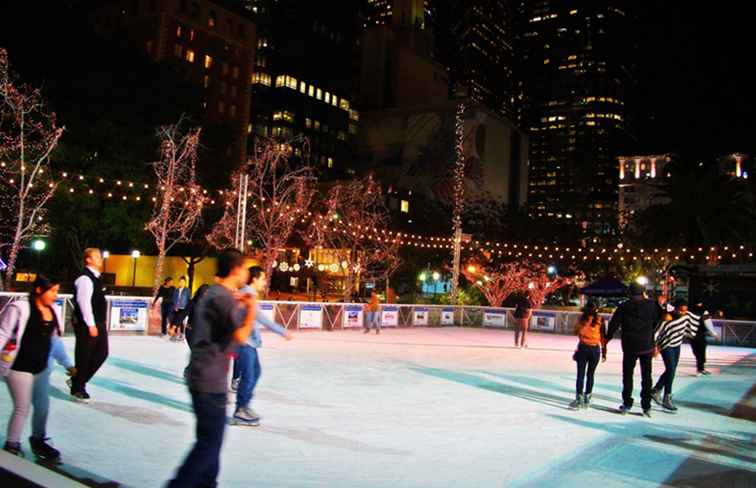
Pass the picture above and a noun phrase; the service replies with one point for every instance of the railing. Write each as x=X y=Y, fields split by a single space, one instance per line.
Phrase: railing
x=133 y=314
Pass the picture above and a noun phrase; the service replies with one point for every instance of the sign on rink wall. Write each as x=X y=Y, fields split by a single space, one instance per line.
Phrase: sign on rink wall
x=494 y=318
x=129 y=314
x=267 y=309
x=390 y=316
x=447 y=316
x=420 y=317
x=311 y=317
x=543 y=321
x=353 y=316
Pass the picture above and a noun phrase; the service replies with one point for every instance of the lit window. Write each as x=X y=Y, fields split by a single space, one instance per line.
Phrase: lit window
x=249 y=129
x=308 y=123
x=330 y=162
x=177 y=50
x=178 y=31
x=291 y=82
x=573 y=12
x=208 y=61
x=405 y=206
x=191 y=34
x=205 y=81
x=211 y=20
x=316 y=124
x=334 y=101
x=260 y=79
x=327 y=97
x=303 y=87
x=344 y=104
x=319 y=94
x=311 y=91
x=190 y=55
x=354 y=115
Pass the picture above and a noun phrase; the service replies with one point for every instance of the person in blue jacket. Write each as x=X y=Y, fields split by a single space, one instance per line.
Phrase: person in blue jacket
x=247 y=364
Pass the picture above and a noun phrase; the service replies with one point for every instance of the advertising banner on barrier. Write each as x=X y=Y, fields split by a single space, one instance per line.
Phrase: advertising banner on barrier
x=719 y=329
x=268 y=310
x=420 y=317
x=543 y=321
x=353 y=316
x=390 y=316
x=311 y=317
x=495 y=318
x=129 y=315
x=447 y=316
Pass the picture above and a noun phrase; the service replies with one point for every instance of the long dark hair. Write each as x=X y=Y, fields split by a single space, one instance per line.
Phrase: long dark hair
x=44 y=284
x=590 y=312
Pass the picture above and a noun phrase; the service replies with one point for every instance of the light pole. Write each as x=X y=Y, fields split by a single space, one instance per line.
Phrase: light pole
x=39 y=245
x=436 y=278
x=105 y=256
x=135 y=255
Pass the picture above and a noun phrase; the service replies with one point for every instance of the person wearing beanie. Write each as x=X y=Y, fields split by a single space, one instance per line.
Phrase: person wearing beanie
x=637 y=318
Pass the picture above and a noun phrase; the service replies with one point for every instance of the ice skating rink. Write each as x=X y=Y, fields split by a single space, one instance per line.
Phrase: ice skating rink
x=434 y=407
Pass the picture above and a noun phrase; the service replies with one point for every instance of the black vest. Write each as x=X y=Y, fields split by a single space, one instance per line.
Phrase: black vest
x=99 y=304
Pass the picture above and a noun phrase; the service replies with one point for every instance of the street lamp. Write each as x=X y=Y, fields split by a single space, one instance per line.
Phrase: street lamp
x=642 y=280
x=105 y=256
x=551 y=270
x=422 y=277
x=38 y=245
x=135 y=255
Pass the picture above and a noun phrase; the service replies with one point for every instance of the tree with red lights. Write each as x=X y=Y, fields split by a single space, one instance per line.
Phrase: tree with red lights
x=351 y=225
x=29 y=133
x=280 y=189
x=496 y=280
x=179 y=202
x=539 y=283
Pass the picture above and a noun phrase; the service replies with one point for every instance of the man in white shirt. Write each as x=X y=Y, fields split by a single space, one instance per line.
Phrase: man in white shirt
x=90 y=327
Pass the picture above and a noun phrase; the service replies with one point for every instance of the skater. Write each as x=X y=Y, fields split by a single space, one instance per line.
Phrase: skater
x=591 y=330
x=698 y=342
x=638 y=318
x=30 y=342
x=90 y=315
x=219 y=325
x=165 y=294
x=522 y=313
x=247 y=363
x=180 y=304
x=669 y=337
x=372 y=311
x=190 y=312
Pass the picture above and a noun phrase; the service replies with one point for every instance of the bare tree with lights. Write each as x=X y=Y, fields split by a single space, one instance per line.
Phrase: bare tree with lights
x=496 y=280
x=279 y=188
x=538 y=283
x=351 y=225
x=179 y=201
x=29 y=133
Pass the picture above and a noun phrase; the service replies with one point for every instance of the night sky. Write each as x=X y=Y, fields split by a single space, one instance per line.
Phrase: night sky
x=695 y=97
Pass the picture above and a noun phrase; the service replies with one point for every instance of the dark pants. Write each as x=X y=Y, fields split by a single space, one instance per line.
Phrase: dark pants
x=247 y=365
x=90 y=353
x=177 y=319
x=587 y=358
x=165 y=315
x=628 y=369
x=671 y=357
x=699 y=351
x=202 y=465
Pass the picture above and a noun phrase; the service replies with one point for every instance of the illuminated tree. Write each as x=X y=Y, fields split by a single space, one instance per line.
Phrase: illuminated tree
x=280 y=188
x=28 y=135
x=351 y=225
x=495 y=280
x=539 y=283
x=179 y=202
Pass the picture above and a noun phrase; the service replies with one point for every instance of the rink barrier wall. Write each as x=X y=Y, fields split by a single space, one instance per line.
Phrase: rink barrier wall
x=132 y=314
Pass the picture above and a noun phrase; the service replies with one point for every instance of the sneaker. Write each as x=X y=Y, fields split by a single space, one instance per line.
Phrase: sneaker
x=668 y=405
x=14 y=448
x=245 y=417
x=705 y=372
x=367 y=331
x=623 y=409
x=587 y=401
x=647 y=413
x=80 y=396
x=656 y=396
x=577 y=403
x=235 y=384
x=43 y=450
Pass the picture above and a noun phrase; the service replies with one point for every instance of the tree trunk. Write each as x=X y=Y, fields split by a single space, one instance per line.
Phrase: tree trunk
x=158 y=271
x=11 y=266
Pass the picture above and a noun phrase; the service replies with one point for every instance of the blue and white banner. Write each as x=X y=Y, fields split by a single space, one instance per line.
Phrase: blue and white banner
x=268 y=310
x=447 y=316
x=353 y=316
x=390 y=316
x=420 y=317
x=494 y=318
x=543 y=321
x=311 y=317
x=129 y=314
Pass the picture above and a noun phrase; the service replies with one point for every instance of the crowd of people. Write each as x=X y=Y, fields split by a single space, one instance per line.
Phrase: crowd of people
x=222 y=323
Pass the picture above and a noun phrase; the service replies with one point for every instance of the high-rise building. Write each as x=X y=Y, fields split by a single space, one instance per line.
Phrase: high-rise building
x=578 y=73
x=211 y=42
x=639 y=184
x=303 y=77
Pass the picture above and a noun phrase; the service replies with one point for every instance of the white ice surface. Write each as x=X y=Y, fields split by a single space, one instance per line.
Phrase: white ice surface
x=411 y=408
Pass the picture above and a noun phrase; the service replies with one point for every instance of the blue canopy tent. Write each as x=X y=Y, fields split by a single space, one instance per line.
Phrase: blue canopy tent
x=605 y=287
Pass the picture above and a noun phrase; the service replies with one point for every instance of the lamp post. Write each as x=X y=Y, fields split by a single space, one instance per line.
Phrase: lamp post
x=135 y=255
x=105 y=256
x=436 y=279
x=38 y=245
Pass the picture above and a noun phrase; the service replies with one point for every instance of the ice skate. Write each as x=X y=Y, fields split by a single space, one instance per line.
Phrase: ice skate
x=245 y=417
x=44 y=451
x=667 y=403
x=656 y=396
x=587 y=401
x=577 y=403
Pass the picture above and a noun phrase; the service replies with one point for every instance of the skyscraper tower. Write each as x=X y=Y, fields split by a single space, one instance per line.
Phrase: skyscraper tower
x=578 y=73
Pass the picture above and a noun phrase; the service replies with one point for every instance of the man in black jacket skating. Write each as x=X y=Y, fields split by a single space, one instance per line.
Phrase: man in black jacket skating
x=637 y=318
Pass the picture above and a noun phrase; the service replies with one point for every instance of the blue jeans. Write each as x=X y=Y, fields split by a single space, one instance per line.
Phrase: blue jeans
x=671 y=357
x=373 y=321
x=587 y=358
x=248 y=365
x=202 y=465
x=41 y=403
